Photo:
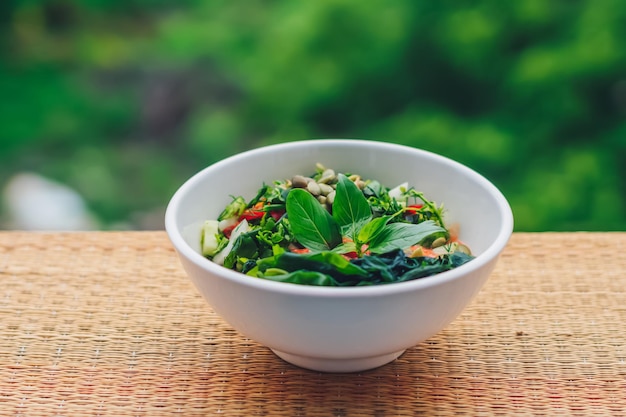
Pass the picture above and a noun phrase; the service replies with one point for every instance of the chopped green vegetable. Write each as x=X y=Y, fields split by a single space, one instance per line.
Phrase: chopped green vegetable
x=209 y=236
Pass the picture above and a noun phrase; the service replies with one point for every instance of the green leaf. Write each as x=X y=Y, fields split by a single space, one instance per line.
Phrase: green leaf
x=345 y=247
x=432 y=266
x=402 y=235
x=310 y=223
x=395 y=266
x=329 y=263
x=304 y=278
x=372 y=229
x=350 y=208
x=338 y=262
x=244 y=247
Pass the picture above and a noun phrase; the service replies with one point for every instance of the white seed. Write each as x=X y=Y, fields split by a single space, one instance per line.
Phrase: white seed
x=298 y=181
x=463 y=249
x=330 y=198
x=314 y=188
x=440 y=241
x=327 y=177
x=325 y=188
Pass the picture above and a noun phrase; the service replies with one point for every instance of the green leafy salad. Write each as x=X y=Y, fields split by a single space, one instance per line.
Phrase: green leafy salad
x=333 y=229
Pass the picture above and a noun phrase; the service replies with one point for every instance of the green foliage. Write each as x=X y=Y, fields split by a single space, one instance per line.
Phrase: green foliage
x=311 y=224
x=123 y=100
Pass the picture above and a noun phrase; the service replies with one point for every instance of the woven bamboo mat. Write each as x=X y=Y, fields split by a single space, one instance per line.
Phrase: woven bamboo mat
x=106 y=323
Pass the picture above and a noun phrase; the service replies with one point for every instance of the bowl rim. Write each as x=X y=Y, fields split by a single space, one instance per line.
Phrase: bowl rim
x=480 y=261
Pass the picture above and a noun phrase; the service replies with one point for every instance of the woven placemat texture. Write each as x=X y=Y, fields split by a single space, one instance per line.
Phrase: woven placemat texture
x=107 y=323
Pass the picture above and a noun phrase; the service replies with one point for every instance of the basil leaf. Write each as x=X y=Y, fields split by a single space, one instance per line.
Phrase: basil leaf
x=372 y=229
x=310 y=223
x=350 y=208
x=402 y=235
x=345 y=247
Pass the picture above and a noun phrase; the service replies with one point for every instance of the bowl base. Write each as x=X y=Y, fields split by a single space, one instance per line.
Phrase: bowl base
x=338 y=365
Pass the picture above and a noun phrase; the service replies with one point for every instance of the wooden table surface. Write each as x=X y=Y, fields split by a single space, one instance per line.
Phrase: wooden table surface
x=107 y=323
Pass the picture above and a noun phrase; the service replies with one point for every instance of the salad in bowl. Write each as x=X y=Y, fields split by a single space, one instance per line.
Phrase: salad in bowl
x=331 y=228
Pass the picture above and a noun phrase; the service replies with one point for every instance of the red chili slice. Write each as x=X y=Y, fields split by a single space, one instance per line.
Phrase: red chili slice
x=251 y=214
x=413 y=208
x=300 y=250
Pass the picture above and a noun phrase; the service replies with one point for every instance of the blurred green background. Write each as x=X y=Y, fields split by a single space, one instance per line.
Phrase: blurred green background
x=124 y=100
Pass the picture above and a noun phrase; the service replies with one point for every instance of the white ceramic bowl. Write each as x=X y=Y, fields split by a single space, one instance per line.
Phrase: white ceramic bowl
x=341 y=329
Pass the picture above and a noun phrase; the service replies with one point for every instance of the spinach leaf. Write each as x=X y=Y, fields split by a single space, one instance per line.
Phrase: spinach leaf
x=339 y=263
x=395 y=266
x=329 y=263
x=402 y=235
x=350 y=208
x=380 y=268
x=431 y=266
x=310 y=223
x=244 y=247
x=330 y=269
x=304 y=278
